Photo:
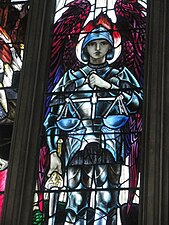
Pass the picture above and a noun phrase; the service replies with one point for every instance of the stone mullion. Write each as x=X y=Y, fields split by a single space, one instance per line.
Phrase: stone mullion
x=154 y=209
x=165 y=149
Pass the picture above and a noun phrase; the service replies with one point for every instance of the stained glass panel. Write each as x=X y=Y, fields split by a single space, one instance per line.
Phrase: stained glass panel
x=90 y=143
x=13 y=20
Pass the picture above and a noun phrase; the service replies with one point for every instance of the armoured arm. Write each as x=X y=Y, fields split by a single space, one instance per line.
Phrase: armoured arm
x=96 y=81
x=113 y=84
x=52 y=133
x=130 y=89
x=122 y=83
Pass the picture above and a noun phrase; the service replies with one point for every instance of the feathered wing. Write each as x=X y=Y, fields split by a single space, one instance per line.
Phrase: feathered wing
x=131 y=21
x=131 y=25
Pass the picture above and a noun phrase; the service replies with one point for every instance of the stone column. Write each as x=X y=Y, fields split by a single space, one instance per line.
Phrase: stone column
x=155 y=181
x=25 y=141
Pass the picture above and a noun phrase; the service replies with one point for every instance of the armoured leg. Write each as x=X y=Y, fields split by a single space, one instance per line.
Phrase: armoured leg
x=114 y=172
x=106 y=177
x=78 y=179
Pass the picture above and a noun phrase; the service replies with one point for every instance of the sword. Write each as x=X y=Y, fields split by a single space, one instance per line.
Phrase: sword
x=94 y=102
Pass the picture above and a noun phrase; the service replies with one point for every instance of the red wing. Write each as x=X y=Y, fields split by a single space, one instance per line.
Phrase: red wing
x=131 y=21
x=65 y=35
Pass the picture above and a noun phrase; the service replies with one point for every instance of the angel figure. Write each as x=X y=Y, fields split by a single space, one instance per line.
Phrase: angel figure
x=88 y=110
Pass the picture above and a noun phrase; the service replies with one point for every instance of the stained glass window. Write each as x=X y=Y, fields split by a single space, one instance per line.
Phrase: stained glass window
x=89 y=162
x=13 y=20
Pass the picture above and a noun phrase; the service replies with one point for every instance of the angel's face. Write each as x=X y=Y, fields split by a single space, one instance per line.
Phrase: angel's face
x=97 y=50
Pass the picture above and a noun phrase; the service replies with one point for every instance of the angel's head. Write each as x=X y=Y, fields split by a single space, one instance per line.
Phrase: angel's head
x=97 y=46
